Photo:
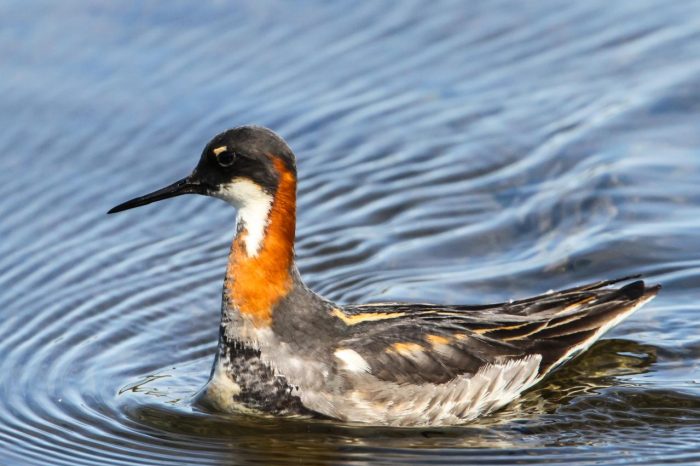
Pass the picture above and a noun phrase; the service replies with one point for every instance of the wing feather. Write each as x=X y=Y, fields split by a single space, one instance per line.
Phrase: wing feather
x=424 y=343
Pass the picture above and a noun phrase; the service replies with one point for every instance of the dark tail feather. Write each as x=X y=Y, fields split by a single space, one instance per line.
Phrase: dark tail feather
x=567 y=336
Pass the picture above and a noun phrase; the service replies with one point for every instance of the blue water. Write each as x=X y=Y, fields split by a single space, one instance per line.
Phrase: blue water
x=455 y=152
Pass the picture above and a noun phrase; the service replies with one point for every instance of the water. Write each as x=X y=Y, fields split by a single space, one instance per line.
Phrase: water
x=457 y=152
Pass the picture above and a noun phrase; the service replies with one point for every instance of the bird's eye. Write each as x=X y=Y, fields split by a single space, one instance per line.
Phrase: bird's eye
x=226 y=159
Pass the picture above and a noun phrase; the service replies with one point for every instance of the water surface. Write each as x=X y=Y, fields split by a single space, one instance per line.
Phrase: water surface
x=455 y=153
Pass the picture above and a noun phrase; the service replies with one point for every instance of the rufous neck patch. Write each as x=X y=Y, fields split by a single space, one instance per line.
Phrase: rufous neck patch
x=254 y=284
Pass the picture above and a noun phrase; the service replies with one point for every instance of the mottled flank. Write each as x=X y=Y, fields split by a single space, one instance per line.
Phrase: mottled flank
x=454 y=402
x=242 y=381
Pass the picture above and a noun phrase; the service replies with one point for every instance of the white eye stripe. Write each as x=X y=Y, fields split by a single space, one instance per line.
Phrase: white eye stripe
x=219 y=150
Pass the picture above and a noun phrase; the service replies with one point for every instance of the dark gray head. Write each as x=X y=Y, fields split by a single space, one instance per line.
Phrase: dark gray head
x=236 y=165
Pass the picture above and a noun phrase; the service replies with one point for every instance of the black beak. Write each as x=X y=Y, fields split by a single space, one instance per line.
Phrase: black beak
x=184 y=186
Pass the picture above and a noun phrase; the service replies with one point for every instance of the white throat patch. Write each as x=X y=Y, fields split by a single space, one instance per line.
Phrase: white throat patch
x=253 y=205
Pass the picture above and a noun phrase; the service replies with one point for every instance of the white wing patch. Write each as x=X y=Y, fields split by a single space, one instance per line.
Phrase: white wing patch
x=352 y=361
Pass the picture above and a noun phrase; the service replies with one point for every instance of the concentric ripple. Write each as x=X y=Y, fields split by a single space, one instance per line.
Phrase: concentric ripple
x=457 y=152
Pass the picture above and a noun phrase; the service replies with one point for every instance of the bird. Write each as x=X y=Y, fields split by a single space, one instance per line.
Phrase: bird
x=284 y=350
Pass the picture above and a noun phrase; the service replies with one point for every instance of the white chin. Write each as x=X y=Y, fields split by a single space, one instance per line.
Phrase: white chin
x=253 y=205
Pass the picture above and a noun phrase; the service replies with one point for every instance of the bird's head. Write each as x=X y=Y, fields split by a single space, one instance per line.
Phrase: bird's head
x=243 y=166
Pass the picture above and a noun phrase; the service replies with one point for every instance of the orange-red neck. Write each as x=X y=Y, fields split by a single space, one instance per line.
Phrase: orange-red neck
x=254 y=284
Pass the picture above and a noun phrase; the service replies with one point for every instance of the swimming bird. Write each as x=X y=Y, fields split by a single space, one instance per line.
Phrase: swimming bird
x=285 y=350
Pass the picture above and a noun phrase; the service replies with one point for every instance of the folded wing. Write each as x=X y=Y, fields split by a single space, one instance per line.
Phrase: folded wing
x=423 y=343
